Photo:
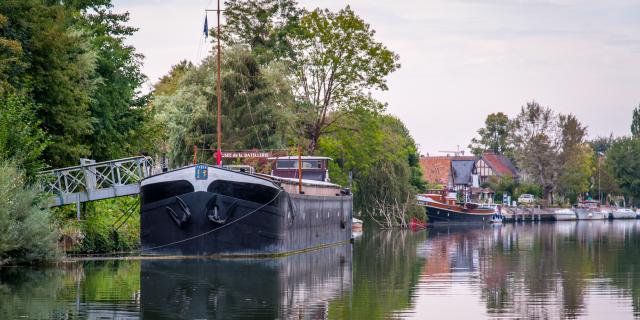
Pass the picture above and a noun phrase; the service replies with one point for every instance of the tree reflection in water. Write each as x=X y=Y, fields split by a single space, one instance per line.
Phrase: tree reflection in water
x=545 y=270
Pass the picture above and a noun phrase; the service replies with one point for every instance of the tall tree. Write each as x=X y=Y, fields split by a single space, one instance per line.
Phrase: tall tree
x=337 y=63
x=635 y=123
x=624 y=164
x=493 y=137
x=118 y=110
x=551 y=149
x=265 y=26
x=537 y=144
x=58 y=72
x=257 y=108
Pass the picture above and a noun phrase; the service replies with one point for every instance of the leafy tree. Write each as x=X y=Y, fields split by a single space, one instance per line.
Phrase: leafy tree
x=576 y=172
x=389 y=158
x=170 y=83
x=257 y=108
x=536 y=141
x=624 y=164
x=337 y=63
x=265 y=26
x=635 y=123
x=493 y=137
x=58 y=73
x=117 y=108
x=546 y=149
x=21 y=139
x=602 y=144
x=11 y=63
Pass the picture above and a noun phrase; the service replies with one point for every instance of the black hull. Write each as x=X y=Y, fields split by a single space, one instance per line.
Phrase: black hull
x=444 y=216
x=185 y=225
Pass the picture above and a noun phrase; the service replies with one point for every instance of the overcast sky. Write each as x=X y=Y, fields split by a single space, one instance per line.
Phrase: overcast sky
x=461 y=60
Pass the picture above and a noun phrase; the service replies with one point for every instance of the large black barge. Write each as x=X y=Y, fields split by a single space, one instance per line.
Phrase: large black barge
x=211 y=211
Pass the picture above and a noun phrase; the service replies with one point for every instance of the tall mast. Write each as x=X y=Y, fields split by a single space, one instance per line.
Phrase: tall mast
x=219 y=152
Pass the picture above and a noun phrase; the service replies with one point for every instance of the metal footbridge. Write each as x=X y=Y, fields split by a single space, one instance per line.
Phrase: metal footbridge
x=93 y=180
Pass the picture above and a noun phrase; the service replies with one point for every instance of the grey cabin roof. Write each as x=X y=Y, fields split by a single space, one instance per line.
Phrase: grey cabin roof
x=462 y=171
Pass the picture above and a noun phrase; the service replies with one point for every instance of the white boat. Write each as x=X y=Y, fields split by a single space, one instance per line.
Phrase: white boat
x=623 y=213
x=590 y=210
x=564 y=214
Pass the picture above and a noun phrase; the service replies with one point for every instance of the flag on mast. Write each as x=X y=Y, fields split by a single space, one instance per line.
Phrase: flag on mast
x=206 y=27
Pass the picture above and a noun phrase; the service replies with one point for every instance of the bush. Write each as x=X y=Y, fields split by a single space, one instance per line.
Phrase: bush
x=26 y=233
x=111 y=225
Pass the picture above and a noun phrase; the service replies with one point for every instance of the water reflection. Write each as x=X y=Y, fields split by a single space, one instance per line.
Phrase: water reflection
x=549 y=270
x=297 y=287
x=542 y=270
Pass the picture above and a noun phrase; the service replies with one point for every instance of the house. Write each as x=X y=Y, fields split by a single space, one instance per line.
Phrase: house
x=494 y=165
x=466 y=174
x=438 y=169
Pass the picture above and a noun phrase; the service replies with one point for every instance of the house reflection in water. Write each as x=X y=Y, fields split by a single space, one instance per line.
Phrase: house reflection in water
x=566 y=269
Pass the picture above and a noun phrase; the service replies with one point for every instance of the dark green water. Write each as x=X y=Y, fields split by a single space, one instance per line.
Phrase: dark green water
x=561 y=270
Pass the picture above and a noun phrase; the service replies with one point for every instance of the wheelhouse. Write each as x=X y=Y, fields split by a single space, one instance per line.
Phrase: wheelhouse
x=312 y=167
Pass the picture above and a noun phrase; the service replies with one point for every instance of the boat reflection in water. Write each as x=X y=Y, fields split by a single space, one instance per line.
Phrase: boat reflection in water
x=298 y=286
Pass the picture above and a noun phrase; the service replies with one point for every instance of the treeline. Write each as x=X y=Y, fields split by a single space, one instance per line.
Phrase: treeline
x=293 y=77
x=556 y=160
x=69 y=88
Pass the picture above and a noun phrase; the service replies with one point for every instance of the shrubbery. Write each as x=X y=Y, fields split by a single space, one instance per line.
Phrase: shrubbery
x=111 y=225
x=26 y=234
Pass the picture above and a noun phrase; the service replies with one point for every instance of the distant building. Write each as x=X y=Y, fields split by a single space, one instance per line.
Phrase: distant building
x=466 y=174
x=494 y=165
x=438 y=170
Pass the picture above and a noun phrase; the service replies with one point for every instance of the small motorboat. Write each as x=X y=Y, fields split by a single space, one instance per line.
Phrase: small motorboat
x=623 y=213
x=590 y=210
x=564 y=214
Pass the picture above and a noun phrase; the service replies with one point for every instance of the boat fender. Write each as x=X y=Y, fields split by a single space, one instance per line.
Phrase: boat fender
x=186 y=213
x=215 y=207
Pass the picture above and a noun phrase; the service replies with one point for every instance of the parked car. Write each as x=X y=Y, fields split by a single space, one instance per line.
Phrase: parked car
x=526 y=198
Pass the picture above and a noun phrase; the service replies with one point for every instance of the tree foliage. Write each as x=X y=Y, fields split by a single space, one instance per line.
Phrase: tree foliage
x=337 y=63
x=624 y=165
x=265 y=26
x=551 y=149
x=389 y=158
x=635 y=123
x=257 y=108
x=70 y=59
x=494 y=136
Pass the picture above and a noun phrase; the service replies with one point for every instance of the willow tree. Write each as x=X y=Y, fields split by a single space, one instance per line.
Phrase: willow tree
x=337 y=64
x=257 y=107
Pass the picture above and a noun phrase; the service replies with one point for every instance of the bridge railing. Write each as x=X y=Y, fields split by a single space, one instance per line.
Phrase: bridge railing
x=95 y=181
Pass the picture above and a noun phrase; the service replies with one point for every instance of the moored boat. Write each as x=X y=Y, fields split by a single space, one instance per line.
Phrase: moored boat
x=590 y=210
x=208 y=210
x=623 y=213
x=442 y=208
x=564 y=214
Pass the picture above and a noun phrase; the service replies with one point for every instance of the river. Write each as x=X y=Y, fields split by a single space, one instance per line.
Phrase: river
x=542 y=270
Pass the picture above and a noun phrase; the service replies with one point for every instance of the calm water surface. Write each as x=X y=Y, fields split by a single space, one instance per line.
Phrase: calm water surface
x=540 y=270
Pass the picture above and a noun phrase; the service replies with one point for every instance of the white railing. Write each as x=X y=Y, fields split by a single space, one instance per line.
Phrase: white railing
x=95 y=181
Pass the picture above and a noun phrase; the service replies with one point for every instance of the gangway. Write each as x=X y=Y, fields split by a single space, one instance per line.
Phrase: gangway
x=93 y=180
